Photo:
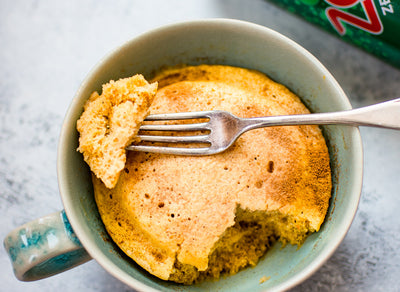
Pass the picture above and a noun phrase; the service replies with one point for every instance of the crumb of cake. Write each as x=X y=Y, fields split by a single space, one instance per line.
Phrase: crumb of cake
x=264 y=279
x=110 y=122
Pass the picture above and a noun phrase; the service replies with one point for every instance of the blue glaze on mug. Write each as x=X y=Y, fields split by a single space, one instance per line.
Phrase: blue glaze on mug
x=68 y=228
x=44 y=247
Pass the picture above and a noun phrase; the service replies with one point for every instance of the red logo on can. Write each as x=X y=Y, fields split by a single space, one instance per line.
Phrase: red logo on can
x=371 y=23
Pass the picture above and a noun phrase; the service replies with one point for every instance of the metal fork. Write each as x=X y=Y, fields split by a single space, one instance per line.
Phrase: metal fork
x=225 y=128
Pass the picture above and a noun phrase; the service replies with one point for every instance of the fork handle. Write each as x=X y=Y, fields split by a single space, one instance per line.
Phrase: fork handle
x=382 y=115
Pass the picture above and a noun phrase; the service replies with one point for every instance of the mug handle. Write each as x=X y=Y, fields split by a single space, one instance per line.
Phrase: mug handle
x=44 y=247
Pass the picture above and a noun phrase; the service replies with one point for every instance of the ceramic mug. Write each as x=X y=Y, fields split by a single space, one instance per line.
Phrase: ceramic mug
x=65 y=239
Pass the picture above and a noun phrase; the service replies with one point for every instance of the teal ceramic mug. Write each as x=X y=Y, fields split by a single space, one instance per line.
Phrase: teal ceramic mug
x=65 y=239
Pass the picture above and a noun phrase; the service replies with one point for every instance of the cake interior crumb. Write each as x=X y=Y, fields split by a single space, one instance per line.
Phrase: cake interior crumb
x=243 y=244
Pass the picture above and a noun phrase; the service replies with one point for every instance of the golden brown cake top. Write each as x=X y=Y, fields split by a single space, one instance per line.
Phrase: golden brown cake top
x=166 y=208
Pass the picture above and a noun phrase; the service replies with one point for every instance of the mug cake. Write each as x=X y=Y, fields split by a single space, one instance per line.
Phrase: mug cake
x=191 y=218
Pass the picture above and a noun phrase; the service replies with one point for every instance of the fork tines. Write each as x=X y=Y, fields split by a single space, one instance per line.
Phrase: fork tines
x=151 y=138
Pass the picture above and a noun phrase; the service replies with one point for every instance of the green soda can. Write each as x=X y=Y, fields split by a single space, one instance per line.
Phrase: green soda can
x=373 y=25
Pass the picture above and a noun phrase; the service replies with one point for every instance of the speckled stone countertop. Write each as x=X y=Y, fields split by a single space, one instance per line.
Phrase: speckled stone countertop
x=46 y=49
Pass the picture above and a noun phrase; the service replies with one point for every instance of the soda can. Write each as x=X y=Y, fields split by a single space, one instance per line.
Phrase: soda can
x=373 y=25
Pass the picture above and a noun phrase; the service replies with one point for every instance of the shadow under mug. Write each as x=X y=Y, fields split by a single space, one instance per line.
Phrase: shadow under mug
x=62 y=240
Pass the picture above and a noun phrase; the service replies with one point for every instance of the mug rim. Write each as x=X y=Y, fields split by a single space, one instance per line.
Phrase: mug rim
x=75 y=105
